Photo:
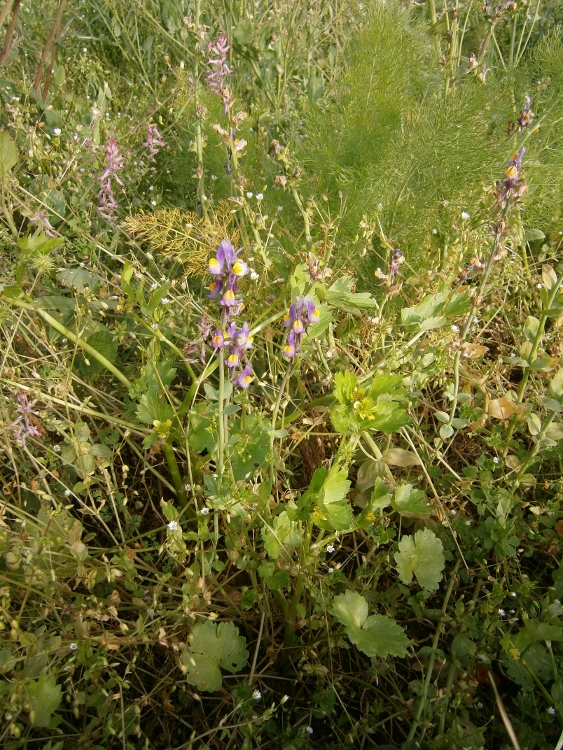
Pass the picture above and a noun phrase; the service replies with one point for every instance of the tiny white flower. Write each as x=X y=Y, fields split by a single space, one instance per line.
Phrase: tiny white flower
x=73 y=646
x=513 y=594
x=173 y=526
x=67 y=493
x=151 y=187
x=213 y=176
x=280 y=208
x=380 y=206
x=154 y=326
x=56 y=448
x=330 y=549
x=502 y=613
x=284 y=699
x=468 y=523
x=257 y=695
x=204 y=511
x=495 y=460
x=57 y=131
x=513 y=354
x=455 y=329
x=154 y=285
x=166 y=300
x=479 y=705
x=254 y=276
x=187 y=487
x=249 y=195
x=434 y=231
x=259 y=196
x=454 y=512
x=309 y=730
x=551 y=711
x=331 y=570
x=153 y=203
x=465 y=215
x=540 y=286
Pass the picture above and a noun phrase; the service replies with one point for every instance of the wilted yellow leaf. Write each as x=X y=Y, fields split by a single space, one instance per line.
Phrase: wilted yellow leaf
x=501 y=408
x=400 y=457
x=472 y=351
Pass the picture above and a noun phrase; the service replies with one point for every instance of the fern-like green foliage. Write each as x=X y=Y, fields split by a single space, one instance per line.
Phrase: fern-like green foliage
x=412 y=158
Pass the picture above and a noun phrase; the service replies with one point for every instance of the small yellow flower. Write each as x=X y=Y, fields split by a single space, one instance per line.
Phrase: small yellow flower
x=162 y=428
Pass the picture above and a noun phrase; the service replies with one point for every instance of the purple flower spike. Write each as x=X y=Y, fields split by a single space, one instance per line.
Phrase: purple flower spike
x=21 y=427
x=218 y=51
x=107 y=204
x=302 y=313
x=154 y=141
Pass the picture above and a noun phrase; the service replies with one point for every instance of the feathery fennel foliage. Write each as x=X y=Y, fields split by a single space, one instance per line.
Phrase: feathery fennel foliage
x=412 y=159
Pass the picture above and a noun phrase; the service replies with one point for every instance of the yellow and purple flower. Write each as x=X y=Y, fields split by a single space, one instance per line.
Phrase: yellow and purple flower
x=302 y=313
x=227 y=269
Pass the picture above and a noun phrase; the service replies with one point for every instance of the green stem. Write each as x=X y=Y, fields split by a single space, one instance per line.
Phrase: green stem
x=274 y=418
x=530 y=358
x=198 y=139
x=430 y=669
x=175 y=473
x=221 y=419
x=452 y=668
x=75 y=339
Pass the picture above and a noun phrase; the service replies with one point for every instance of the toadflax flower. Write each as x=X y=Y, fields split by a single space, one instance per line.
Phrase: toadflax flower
x=301 y=315
x=154 y=141
x=236 y=342
x=512 y=185
x=22 y=427
x=526 y=115
x=227 y=269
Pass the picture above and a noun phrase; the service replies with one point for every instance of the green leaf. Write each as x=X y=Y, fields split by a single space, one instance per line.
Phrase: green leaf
x=55 y=302
x=368 y=473
x=151 y=409
x=410 y=503
x=103 y=342
x=333 y=506
x=345 y=384
x=275 y=579
x=463 y=651
x=350 y=609
x=376 y=635
x=79 y=278
x=556 y=385
x=532 y=235
x=8 y=154
x=423 y=555
x=340 y=295
x=380 y=636
x=380 y=497
x=44 y=697
x=242 y=33
x=212 y=648
x=325 y=316
x=282 y=533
